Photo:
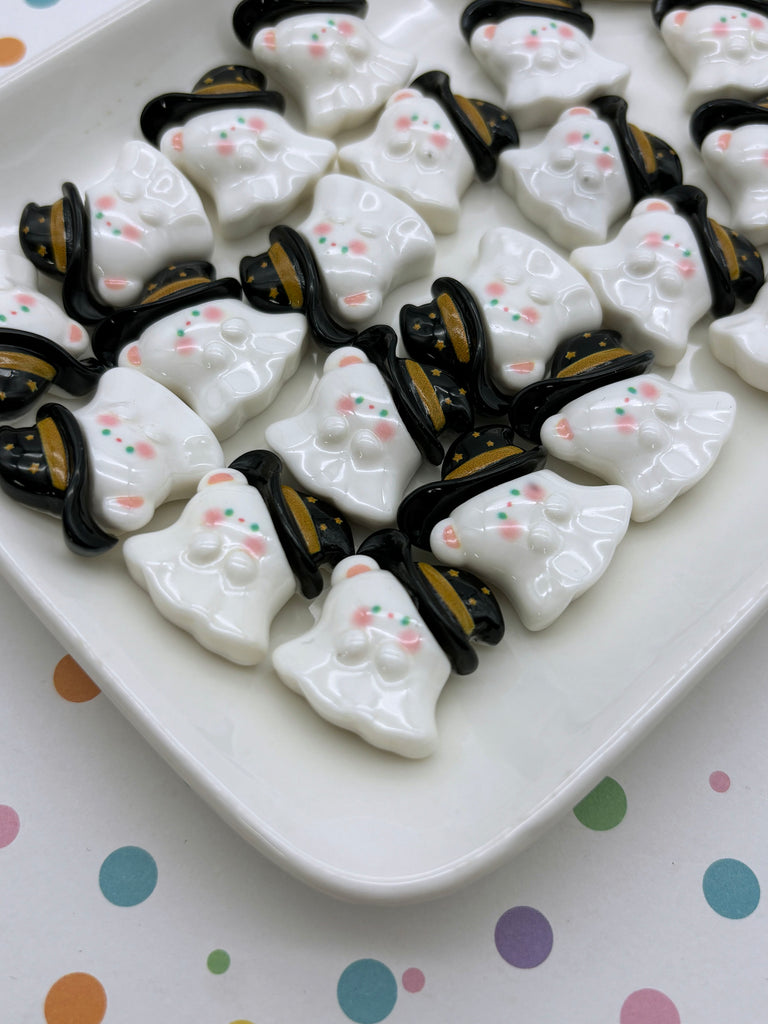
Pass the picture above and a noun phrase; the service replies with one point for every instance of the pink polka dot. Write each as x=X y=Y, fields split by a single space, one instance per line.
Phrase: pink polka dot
x=413 y=980
x=648 y=1006
x=9 y=825
x=720 y=782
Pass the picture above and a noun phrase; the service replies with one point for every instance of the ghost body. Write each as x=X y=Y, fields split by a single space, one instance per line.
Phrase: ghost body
x=573 y=183
x=369 y=664
x=143 y=216
x=740 y=341
x=223 y=358
x=644 y=433
x=416 y=154
x=24 y=308
x=251 y=161
x=145 y=446
x=219 y=572
x=530 y=299
x=723 y=48
x=737 y=159
x=350 y=444
x=338 y=72
x=651 y=279
x=543 y=65
x=365 y=242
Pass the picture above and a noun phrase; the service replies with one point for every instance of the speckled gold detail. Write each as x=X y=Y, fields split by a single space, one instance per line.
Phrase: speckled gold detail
x=27 y=364
x=59 y=236
x=592 y=360
x=303 y=519
x=470 y=111
x=726 y=244
x=481 y=461
x=172 y=288
x=287 y=274
x=55 y=453
x=454 y=326
x=426 y=394
x=645 y=148
x=448 y=596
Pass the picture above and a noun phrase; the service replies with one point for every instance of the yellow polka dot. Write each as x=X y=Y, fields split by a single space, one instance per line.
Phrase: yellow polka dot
x=76 y=999
x=72 y=683
x=11 y=51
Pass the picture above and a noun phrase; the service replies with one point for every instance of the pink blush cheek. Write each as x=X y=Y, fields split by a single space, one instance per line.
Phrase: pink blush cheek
x=358 y=247
x=316 y=49
x=213 y=517
x=105 y=203
x=410 y=639
x=346 y=28
x=439 y=140
x=534 y=492
x=361 y=617
x=184 y=346
x=510 y=530
x=225 y=147
x=145 y=450
x=755 y=22
x=75 y=332
x=108 y=419
x=385 y=430
x=494 y=289
x=565 y=32
x=648 y=390
x=573 y=138
x=532 y=43
x=530 y=315
x=626 y=424
x=687 y=268
x=605 y=162
x=257 y=124
x=323 y=228
x=133 y=355
x=132 y=233
x=450 y=539
x=345 y=405
x=403 y=124
x=255 y=546
x=213 y=313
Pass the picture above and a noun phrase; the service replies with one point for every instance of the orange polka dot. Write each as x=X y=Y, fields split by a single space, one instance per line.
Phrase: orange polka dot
x=11 y=51
x=72 y=683
x=76 y=999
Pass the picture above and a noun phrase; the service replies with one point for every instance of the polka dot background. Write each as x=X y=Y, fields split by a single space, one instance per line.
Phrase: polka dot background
x=130 y=900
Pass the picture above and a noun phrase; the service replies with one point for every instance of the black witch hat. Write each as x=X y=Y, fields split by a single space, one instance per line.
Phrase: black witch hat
x=482 y=11
x=252 y=15
x=660 y=8
x=476 y=461
x=457 y=606
x=311 y=531
x=30 y=363
x=726 y=113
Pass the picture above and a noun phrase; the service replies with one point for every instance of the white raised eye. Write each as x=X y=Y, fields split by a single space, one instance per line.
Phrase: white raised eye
x=204 y=547
x=427 y=154
x=546 y=59
x=391 y=661
x=156 y=433
x=366 y=446
x=736 y=45
x=369 y=229
x=332 y=430
x=358 y=46
x=510 y=275
x=668 y=409
x=640 y=262
x=399 y=145
x=248 y=156
x=235 y=329
x=240 y=567
x=269 y=142
x=590 y=178
x=760 y=40
x=563 y=160
x=572 y=49
x=154 y=214
x=216 y=355
x=651 y=436
x=558 y=508
x=543 y=539
x=128 y=188
x=669 y=283
x=338 y=62
x=353 y=647
x=541 y=293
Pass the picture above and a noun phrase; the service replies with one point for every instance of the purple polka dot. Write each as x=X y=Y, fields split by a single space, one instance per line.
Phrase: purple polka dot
x=720 y=782
x=9 y=825
x=413 y=980
x=649 y=1006
x=523 y=937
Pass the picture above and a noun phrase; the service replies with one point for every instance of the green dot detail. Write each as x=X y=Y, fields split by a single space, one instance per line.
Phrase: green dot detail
x=619 y=411
x=241 y=120
x=116 y=231
x=515 y=316
x=3 y=318
x=384 y=412
x=106 y=431
x=322 y=240
x=180 y=333
x=195 y=312
x=99 y=215
x=254 y=527
x=405 y=621
x=25 y=309
x=218 y=961
x=502 y=515
x=414 y=117
x=229 y=511
x=604 y=808
x=632 y=391
x=130 y=449
x=345 y=248
x=493 y=302
x=376 y=609
x=666 y=238
x=515 y=492
x=359 y=400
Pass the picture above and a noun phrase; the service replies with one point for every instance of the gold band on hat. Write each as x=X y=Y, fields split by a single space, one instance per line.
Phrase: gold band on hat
x=55 y=453
x=59 y=236
x=455 y=326
x=481 y=461
x=27 y=364
x=645 y=148
x=470 y=111
x=725 y=242
x=426 y=393
x=448 y=595
x=182 y=284
x=287 y=274
x=303 y=519
x=592 y=360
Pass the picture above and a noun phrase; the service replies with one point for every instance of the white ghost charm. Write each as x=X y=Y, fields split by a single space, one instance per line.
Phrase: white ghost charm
x=540 y=56
x=740 y=341
x=24 y=308
x=338 y=72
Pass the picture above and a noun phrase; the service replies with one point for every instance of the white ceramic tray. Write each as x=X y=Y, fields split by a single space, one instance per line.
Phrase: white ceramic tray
x=548 y=713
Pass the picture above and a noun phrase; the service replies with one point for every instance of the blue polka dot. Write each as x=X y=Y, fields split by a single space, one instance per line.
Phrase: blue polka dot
x=367 y=991
x=731 y=888
x=128 y=876
x=41 y=3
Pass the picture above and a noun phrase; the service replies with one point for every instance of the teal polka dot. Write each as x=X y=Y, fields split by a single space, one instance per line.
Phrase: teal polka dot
x=128 y=876
x=218 y=961
x=41 y=3
x=367 y=991
x=731 y=888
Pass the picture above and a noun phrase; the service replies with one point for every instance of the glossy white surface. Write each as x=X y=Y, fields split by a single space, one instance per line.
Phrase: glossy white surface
x=369 y=664
x=723 y=48
x=741 y=341
x=544 y=65
x=226 y=360
x=651 y=279
x=338 y=71
x=143 y=215
x=541 y=539
x=645 y=433
x=547 y=713
x=219 y=571
x=253 y=163
x=737 y=159
x=24 y=308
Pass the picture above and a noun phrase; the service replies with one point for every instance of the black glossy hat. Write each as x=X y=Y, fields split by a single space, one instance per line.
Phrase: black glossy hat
x=173 y=288
x=580 y=364
x=485 y=129
x=457 y=606
x=450 y=332
x=651 y=164
x=30 y=363
x=726 y=113
x=483 y=11
x=660 y=8
x=46 y=467
x=476 y=461
x=221 y=88
x=427 y=397
x=56 y=239
x=252 y=15
x=312 y=532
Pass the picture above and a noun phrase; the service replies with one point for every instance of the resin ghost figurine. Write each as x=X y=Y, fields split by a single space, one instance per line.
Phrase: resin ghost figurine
x=668 y=265
x=590 y=169
x=325 y=57
x=540 y=55
x=521 y=298
x=228 y=136
x=723 y=48
x=104 y=468
x=142 y=216
x=733 y=138
x=231 y=561
x=740 y=341
x=429 y=145
x=40 y=346
x=194 y=334
x=369 y=421
x=540 y=539
x=388 y=635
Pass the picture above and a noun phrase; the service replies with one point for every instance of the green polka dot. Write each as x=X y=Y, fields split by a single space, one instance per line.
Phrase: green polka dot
x=195 y=312
x=222 y=135
x=116 y=231
x=515 y=491
x=3 y=318
x=359 y=400
x=229 y=511
x=604 y=808
x=376 y=608
x=106 y=431
x=218 y=961
x=384 y=412
x=414 y=117
x=632 y=391
x=254 y=527
x=180 y=334
x=345 y=248
x=405 y=621
x=502 y=515
x=493 y=302
x=130 y=449
x=99 y=215
x=25 y=309
x=619 y=411
x=241 y=120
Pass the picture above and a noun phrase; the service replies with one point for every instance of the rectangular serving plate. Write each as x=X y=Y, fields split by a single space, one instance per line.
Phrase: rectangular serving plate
x=547 y=713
